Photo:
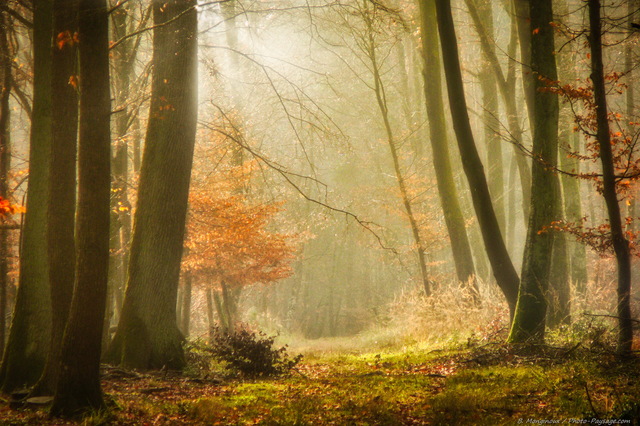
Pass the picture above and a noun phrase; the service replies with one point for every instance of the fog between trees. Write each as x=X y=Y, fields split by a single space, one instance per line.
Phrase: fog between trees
x=395 y=171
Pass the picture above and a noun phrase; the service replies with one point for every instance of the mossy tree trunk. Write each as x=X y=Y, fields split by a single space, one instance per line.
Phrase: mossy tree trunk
x=453 y=217
x=148 y=336
x=501 y=265
x=62 y=181
x=78 y=391
x=529 y=321
x=28 y=344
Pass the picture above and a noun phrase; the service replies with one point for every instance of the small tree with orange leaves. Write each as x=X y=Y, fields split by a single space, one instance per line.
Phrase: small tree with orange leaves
x=228 y=244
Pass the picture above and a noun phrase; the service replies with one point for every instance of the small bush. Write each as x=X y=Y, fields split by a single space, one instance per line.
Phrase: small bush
x=252 y=353
x=200 y=360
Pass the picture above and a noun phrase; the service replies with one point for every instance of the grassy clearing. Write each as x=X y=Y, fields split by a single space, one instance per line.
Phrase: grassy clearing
x=488 y=384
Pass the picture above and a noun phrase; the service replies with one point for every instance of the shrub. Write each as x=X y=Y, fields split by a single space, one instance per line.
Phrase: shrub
x=252 y=353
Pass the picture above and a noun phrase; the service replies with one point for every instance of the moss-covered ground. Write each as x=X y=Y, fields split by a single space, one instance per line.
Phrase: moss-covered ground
x=492 y=384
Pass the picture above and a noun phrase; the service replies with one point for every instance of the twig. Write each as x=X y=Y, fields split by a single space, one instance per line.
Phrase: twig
x=609 y=316
x=586 y=388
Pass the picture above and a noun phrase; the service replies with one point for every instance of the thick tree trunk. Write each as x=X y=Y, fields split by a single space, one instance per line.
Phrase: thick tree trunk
x=453 y=217
x=503 y=270
x=148 y=336
x=529 y=321
x=78 y=391
x=28 y=345
x=620 y=243
x=62 y=181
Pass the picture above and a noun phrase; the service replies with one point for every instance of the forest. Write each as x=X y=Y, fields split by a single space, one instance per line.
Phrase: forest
x=309 y=212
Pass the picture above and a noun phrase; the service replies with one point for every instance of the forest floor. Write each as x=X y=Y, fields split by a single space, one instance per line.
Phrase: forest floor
x=488 y=384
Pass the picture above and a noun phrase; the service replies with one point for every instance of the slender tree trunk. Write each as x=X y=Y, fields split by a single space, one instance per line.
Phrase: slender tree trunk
x=123 y=64
x=381 y=99
x=210 y=314
x=620 y=243
x=503 y=270
x=78 y=391
x=529 y=320
x=491 y=122
x=186 y=305
x=559 y=294
x=62 y=181
x=28 y=345
x=148 y=336
x=569 y=141
x=506 y=87
x=5 y=163
x=632 y=9
x=453 y=217
x=523 y=21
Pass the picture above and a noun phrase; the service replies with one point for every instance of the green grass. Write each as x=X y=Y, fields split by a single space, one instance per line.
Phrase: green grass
x=422 y=387
x=493 y=384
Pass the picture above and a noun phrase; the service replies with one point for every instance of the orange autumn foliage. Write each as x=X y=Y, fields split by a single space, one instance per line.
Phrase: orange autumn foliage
x=228 y=237
x=7 y=209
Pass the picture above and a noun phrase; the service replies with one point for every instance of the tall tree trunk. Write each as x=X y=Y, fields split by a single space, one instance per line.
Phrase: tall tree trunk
x=491 y=122
x=148 y=336
x=529 y=321
x=523 y=21
x=123 y=64
x=210 y=314
x=508 y=92
x=632 y=9
x=379 y=89
x=5 y=162
x=569 y=141
x=501 y=265
x=559 y=294
x=453 y=217
x=78 y=391
x=620 y=243
x=62 y=181
x=28 y=345
x=186 y=305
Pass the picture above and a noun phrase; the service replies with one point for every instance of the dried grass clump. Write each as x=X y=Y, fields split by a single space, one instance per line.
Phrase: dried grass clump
x=450 y=314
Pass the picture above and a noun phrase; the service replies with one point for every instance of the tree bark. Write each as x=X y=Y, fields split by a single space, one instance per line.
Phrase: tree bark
x=503 y=270
x=5 y=163
x=453 y=217
x=28 y=345
x=62 y=181
x=620 y=243
x=186 y=305
x=78 y=391
x=148 y=336
x=529 y=321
